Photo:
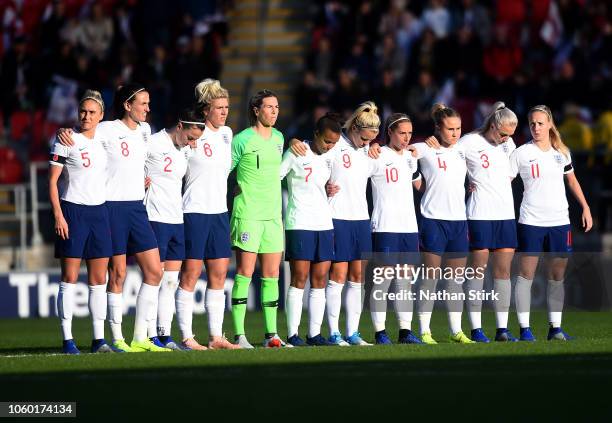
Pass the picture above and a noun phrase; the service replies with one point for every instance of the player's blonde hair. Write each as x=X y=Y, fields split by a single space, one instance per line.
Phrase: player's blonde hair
x=208 y=90
x=500 y=116
x=553 y=133
x=94 y=96
x=365 y=117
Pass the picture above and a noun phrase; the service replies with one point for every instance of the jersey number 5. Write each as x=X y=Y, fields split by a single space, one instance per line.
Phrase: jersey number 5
x=86 y=160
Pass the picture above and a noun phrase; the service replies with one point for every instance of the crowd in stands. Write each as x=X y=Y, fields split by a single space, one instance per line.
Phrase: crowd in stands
x=53 y=50
x=408 y=54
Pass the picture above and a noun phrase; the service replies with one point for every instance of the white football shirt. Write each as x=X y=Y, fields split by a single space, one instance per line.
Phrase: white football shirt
x=206 y=178
x=544 y=200
x=351 y=169
x=307 y=208
x=392 y=192
x=83 y=178
x=166 y=165
x=488 y=168
x=127 y=152
x=444 y=170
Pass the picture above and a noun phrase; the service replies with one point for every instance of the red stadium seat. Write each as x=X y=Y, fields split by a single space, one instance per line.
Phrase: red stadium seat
x=21 y=125
x=11 y=171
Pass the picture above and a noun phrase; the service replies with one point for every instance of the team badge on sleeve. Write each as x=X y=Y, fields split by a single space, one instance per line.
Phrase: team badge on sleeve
x=225 y=138
x=558 y=158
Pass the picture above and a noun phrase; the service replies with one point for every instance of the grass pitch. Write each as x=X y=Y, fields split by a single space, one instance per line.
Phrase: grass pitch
x=527 y=381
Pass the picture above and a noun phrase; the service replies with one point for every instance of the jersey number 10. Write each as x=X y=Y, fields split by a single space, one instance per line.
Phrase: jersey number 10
x=392 y=175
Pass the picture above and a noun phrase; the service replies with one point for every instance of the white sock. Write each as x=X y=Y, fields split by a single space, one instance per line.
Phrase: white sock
x=426 y=305
x=454 y=307
x=115 y=314
x=353 y=307
x=502 y=305
x=97 y=309
x=65 y=307
x=403 y=308
x=146 y=301
x=378 y=307
x=333 y=299
x=294 y=309
x=475 y=306
x=165 y=306
x=184 y=312
x=316 y=310
x=215 y=307
x=522 y=295
x=555 y=297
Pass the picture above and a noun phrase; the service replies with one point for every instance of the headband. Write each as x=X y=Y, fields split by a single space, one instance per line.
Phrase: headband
x=192 y=123
x=397 y=120
x=97 y=100
x=133 y=94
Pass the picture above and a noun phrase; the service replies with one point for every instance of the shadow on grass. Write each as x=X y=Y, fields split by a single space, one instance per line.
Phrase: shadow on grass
x=425 y=387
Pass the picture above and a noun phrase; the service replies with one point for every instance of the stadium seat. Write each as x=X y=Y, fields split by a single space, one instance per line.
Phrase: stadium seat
x=11 y=171
x=21 y=125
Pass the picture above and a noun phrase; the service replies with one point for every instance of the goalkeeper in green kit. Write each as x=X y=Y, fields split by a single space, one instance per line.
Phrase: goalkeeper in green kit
x=256 y=224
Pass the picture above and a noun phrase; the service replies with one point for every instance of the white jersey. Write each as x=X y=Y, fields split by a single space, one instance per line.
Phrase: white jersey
x=392 y=192
x=127 y=152
x=83 y=178
x=544 y=200
x=206 y=178
x=444 y=170
x=166 y=165
x=351 y=169
x=489 y=169
x=308 y=207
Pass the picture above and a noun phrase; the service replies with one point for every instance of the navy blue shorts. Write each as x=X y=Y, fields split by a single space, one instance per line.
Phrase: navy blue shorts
x=89 y=232
x=492 y=234
x=352 y=238
x=538 y=239
x=170 y=240
x=309 y=245
x=444 y=236
x=389 y=242
x=130 y=227
x=207 y=236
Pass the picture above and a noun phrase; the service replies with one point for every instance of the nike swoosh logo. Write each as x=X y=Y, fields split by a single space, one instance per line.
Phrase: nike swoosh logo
x=343 y=149
x=165 y=154
x=437 y=154
x=480 y=151
x=81 y=149
x=532 y=160
x=123 y=137
x=388 y=164
x=255 y=151
x=306 y=164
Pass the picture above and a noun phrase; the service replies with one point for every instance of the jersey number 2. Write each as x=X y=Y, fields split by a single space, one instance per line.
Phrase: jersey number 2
x=168 y=161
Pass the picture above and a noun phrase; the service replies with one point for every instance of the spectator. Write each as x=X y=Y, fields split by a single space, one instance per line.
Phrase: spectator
x=437 y=18
x=420 y=100
x=389 y=56
x=96 y=33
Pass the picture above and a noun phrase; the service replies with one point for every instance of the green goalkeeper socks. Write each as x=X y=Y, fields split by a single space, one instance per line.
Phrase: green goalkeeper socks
x=240 y=293
x=269 y=302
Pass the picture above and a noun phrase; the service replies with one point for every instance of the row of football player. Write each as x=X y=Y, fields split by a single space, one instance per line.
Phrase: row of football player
x=102 y=210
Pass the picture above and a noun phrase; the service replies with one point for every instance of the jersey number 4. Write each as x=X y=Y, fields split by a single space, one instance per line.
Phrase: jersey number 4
x=442 y=164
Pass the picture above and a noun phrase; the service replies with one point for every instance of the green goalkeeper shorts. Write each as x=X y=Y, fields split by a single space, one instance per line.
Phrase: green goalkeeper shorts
x=258 y=236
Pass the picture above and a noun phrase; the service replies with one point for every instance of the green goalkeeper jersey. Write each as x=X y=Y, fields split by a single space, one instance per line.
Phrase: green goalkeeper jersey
x=258 y=161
